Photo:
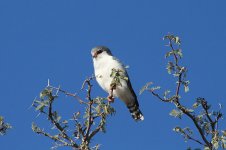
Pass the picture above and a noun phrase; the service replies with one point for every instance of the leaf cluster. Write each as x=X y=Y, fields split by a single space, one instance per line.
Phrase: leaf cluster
x=4 y=126
x=78 y=131
x=117 y=75
x=205 y=120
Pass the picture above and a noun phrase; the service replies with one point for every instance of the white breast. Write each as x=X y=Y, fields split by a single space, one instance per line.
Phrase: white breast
x=103 y=67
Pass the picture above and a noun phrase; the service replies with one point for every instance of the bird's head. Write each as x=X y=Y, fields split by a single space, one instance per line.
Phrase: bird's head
x=100 y=51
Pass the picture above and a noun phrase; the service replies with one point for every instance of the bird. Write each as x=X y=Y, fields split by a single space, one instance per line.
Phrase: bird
x=104 y=63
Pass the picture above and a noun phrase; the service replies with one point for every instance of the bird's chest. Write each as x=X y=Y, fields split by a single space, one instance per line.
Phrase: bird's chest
x=103 y=70
x=102 y=74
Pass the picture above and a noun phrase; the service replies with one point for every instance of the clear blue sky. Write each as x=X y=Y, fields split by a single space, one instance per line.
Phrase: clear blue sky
x=52 y=39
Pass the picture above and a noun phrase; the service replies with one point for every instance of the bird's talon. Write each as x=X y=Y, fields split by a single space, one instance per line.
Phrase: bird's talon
x=111 y=99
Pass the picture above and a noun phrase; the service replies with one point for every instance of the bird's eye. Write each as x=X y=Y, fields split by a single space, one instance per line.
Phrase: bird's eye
x=99 y=51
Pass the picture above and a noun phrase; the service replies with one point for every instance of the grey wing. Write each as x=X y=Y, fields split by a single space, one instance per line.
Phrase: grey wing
x=132 y=91
x=133 y=105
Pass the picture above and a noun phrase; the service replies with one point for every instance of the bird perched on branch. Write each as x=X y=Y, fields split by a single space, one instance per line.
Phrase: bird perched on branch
x=111 y=75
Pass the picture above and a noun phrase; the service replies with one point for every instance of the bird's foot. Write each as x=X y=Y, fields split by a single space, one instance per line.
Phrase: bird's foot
x=111 y=99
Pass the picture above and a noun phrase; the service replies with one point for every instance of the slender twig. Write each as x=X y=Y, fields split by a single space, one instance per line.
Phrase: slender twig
x=178 y=86
x=182 y=108
x=90 y=120
x=176 y=101
x=175 y=56
x=193 y=139
x=217 y=119
x=212 y=123
x=79 y=129
x=87 y=81
x=94 y=132
x=54 y=138
x=159 y=97
x=85 y=129
x=57 y=125
x=68 y=94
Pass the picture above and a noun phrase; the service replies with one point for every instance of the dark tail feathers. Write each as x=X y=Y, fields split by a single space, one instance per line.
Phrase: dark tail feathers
x=135 y=112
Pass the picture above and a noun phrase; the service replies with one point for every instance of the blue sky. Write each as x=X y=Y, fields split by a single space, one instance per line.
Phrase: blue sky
x=52 y=39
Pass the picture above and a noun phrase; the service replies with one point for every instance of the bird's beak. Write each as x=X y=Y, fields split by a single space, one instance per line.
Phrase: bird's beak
x=95 y=55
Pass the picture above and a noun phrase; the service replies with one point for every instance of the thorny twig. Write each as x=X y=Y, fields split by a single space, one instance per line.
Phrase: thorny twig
x=58 y=125
x=180 y=74
x=85 y=129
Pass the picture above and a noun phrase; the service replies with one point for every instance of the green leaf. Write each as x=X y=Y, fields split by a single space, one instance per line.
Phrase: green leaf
x=224 y=133
x=170 y=67
x=220 y=106
x=223 y=141
x=168 y=54
x=199 y=117
x=126 y=67
x=182 y=70
x=1 y=119
x=117 y=75
x=186 y=88
x=190 y=110
x=97 y=147
x=186 y=83
x=145 y=87
x=105 y=109
x=4 y=126
x=44 y=93
x=177 y=40
x=35 y=128
x=195 y=105
x=58 y=118
x=65 y=122
x=176 y=74
x=178 y=52
x=166 y=93
x=177 y=129
x=176 y=113
x=167 y=37
x=97 y=108
x=124 y=78
x=215 y=144
x=40 y=107
x=155 y=88
x=206 y=148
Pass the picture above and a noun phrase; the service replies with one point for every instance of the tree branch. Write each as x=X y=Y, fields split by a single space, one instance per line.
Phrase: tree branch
x=90 y=120
x=159 y=97
x=57 y=125
x=68 y=94
x=180 y=73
